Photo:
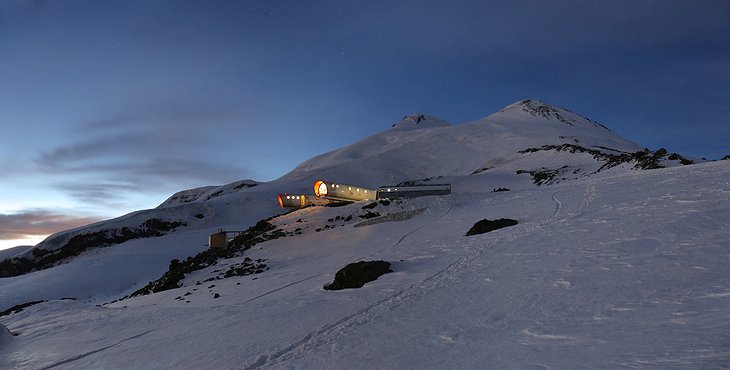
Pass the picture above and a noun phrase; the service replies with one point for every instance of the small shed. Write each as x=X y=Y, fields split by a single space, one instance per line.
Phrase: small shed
x=218 y=240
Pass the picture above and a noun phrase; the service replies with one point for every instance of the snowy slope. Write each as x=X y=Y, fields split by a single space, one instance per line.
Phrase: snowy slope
x=629 y=271
x=599 y=251
x=475 y=156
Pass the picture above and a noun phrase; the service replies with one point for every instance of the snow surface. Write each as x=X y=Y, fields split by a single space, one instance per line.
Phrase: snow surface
x=14 y=251
x=620 y=269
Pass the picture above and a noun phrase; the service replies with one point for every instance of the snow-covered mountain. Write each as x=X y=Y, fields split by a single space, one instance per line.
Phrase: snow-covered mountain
x=413 y=150
x=609 y=266
x=419 y=147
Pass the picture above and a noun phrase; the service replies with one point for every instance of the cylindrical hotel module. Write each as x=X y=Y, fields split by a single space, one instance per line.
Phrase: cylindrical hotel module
x=344 y=192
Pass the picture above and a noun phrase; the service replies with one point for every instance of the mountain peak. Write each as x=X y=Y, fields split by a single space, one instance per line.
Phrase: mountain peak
x=420 y=120
x=539 y=108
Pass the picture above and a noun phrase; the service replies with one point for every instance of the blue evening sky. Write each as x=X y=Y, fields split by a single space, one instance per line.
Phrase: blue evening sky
x=111 y=106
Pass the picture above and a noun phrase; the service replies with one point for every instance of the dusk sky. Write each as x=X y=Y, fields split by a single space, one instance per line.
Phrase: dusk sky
x=111 y=106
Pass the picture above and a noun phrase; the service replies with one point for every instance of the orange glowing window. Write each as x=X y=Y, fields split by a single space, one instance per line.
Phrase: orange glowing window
x=281 y=202
x=320 y=188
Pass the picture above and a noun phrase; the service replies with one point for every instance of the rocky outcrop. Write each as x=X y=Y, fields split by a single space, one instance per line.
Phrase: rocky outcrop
x=43 y=258
x=357 y=274
x=485 y=226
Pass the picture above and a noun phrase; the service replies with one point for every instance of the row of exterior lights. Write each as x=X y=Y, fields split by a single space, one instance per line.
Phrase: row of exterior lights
x=293 y=197
x=348 y=188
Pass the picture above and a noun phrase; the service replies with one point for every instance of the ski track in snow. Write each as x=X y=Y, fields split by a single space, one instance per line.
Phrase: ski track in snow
x=278 y=289
x=331 y=332
x=76 y=358
x=407 y=234
x=558 y=205
x=590 y=195
x=420 y=227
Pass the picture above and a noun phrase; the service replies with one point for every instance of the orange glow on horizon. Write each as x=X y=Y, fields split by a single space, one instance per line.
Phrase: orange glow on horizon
x=31 y=240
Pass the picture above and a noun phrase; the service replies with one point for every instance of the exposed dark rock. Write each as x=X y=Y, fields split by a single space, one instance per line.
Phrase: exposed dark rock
x=548 y=112
x=244 y=185
x=19 y=307
x=216 y=193
x=647 y=160
x=44 y=259
x=725 y=158
x=682 y=160
x=15 y=266
x=419 y=181
x=642 y=159
x=337 y=204
x=357 y=274
x=261 y=232
x=497 y=190
x=247 y=267
x=545 y=176
x=480 y=170
x=485 y=226
x=370 y=205
x=370 y=215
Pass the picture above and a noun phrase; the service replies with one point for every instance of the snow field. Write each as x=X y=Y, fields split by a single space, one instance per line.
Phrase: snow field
x=630 y=271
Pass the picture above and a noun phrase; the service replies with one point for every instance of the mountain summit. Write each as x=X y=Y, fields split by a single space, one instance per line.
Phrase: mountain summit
x=538 y=108
x=418 y=121
x=440 y=149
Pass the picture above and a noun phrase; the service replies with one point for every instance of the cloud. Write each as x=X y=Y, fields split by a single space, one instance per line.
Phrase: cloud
x=38 y=222
x=163 y=115
x=111 y=185
x=101 y=194
x=147 y=151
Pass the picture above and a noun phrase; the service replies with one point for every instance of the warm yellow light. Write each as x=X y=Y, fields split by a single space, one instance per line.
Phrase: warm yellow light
x=320 y=188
